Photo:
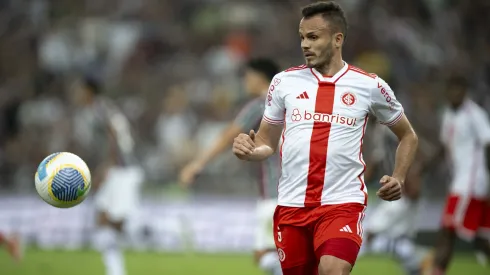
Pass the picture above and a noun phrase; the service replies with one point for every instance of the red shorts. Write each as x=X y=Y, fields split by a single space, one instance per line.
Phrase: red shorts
x=303 y=235
x=466 y=215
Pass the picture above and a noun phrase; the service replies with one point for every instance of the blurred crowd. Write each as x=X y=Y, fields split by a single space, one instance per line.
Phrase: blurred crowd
x=174 y=68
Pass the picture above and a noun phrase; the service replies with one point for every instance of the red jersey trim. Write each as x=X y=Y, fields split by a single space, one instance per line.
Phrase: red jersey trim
x=357 y=70
x=395 y=120
x=297 y=68
x=363 y=185
x=272 y=121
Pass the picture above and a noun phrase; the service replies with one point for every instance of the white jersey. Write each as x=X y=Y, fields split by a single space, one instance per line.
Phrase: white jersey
x=465 y=132
x=324 y=124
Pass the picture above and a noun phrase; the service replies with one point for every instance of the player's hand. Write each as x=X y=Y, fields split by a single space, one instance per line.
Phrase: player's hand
x=391 y=189
x=244 y=145
x=189 y=173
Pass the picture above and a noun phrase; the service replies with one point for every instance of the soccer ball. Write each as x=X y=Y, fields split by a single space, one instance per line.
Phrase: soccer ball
x=63 y=180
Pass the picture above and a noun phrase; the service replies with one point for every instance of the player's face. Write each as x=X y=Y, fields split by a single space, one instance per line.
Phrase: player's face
x=318 y=42
x=252 y=82
x=455 y=95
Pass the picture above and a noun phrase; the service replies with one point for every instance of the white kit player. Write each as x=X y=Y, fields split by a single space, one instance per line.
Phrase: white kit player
x=258 y=74
x=117 y=179
x=465 y=135
x=321 y=110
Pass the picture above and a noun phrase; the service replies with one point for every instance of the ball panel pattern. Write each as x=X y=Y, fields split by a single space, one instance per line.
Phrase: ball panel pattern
x=67 y=184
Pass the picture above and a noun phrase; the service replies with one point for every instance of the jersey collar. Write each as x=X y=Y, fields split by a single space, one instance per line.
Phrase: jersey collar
x=330 y=79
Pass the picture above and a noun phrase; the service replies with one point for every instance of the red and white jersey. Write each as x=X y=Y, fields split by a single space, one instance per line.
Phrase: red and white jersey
x=324 y=124
x=465 y=132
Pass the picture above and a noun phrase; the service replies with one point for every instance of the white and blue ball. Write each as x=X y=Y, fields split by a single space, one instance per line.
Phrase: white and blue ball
x=63 y=180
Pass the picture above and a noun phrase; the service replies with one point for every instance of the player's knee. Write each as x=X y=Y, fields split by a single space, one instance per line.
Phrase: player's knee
x=330 y=265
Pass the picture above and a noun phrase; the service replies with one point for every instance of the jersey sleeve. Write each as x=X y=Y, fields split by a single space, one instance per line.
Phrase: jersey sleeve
x=274 y=103
x=250 y=115
x=384 y=104
x=481 y=125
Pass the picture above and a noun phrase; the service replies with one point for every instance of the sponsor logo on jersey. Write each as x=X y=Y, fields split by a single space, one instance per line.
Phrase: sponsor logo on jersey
x=298 y=115
x=387 y=96
x=273 y=86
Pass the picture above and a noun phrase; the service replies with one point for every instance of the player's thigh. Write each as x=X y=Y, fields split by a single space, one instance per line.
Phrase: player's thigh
x=264 y=230
x=339 y=233
x=484 y=230
x=464 y=215
x=393 y=218
x=121 y=193
x=294 y=245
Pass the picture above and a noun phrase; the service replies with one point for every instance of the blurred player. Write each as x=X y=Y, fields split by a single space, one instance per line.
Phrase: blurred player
x=12 y=245
x=118 y=178
x=258 y=75
x=393 y=225
x=465 y=135
x=321 y=111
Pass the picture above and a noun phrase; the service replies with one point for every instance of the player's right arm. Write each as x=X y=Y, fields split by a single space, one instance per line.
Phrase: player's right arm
x=260 y=146
x=257 y=147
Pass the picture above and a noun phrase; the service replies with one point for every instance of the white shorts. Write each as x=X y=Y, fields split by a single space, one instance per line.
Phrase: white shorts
x=393 y=219
x=264 y=233
x=119 y=194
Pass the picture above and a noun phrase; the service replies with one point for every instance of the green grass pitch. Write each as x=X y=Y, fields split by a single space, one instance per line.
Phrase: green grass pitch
x=87 y=262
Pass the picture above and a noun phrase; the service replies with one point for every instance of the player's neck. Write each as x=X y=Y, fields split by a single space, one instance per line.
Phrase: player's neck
x=330 y=69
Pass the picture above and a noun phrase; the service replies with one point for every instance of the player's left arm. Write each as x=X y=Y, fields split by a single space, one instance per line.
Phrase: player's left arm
x=389 y=111
x=406 y=150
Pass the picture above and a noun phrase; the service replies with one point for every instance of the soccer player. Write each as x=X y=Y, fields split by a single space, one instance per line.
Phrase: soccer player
x=258 y=74
x=465 y=135
x=117 y=179
x=393 y=224
x=13 y=246
x=321 y=110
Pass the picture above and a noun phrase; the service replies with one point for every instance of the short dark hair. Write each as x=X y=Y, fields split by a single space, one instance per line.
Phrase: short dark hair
x=330 y=11
x=264 y=66
x=92 y=83
x=458 y=80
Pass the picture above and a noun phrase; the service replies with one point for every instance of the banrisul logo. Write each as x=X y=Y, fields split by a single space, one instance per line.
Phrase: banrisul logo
x=298 y=115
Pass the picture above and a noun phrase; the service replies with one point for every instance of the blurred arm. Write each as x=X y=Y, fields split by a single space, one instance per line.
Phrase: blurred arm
x=221 y=145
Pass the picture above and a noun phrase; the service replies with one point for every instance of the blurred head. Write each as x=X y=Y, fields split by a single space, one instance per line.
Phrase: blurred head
x=322 y=30
x=258 y=75
x=85 y=90
x=456 y=90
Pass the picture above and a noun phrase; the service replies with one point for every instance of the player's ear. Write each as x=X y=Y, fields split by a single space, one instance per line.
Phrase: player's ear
x=338 y=40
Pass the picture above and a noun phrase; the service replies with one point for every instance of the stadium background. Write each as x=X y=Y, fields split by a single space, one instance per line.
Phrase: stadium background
x=174 y=68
